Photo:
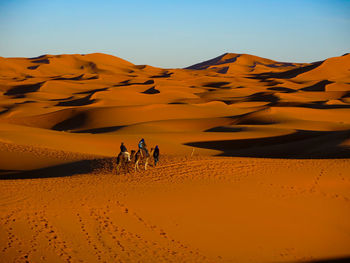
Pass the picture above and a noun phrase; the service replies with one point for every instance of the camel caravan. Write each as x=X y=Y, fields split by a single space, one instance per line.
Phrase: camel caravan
x=141 y=156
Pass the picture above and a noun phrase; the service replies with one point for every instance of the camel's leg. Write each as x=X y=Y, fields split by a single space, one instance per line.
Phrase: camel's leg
x=137 y=166
x=117 y=168
x=128 y=165
x=146 y=163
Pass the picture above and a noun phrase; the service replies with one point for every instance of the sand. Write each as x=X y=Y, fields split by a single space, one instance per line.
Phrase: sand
x=254 y=160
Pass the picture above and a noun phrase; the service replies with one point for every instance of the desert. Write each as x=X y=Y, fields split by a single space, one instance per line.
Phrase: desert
x=254 y=160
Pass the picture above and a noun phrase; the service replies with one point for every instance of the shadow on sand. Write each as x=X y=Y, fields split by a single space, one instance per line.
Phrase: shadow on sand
x=22 y=89
x=299 y=145
x=101 y=130
x=61 y=170
x=331 y=260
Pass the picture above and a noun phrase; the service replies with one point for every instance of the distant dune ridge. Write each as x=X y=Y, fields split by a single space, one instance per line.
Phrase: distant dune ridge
x=260 y=97
x=65 y=115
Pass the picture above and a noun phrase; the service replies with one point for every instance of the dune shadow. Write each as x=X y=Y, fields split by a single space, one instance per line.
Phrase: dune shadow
x=217 y=84
x=96 y=166
x=38 y=57
x=223 y=70
x=292 y=73
x=177 y=102
x=330 y=260
x=263 y=96
x=67 y=98
x=325 y=106
x=70 y=78
x=214 y=61
x=41 y=61
x=225 y=129
x=33 y=67
x=282 y=89
x=128 y=83
x=77 y=102
x=71 y=123
x=62 y=170
x=163 y=75
x=4 y=172
x=319 y=86
x=92 y=91
x=151 y=91
x=80 y=77
x=314 y=105
x=101 y=130
x=22 y=89
x=229 y=102
x=301 y=144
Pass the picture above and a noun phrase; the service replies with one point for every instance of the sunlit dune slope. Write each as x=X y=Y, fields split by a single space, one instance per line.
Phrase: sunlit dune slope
x=232 y=63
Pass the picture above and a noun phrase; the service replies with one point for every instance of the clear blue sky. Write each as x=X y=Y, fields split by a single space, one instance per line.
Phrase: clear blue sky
x=176 y=33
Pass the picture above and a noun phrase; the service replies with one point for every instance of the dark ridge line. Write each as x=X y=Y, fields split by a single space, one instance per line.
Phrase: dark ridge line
x=212 y=62
x=42 y=61
x=287 y=74
x=39 y=57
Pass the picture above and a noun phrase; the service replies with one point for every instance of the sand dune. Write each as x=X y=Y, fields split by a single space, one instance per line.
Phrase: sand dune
x=254 y=160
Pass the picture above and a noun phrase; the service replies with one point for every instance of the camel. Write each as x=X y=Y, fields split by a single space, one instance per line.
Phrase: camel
x=122 y=160
x=140 y=155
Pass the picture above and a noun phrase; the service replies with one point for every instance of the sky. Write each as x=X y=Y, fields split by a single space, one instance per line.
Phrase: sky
x=176 y=33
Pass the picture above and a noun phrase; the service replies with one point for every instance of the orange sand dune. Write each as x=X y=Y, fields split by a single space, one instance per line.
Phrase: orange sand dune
x=254 y=162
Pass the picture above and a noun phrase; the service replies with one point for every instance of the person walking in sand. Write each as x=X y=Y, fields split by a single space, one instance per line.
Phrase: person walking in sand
x=124 y=151
x=156 y=155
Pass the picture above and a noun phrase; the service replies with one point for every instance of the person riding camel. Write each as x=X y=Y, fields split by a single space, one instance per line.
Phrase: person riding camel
x=142 y=146
x=125 y=151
